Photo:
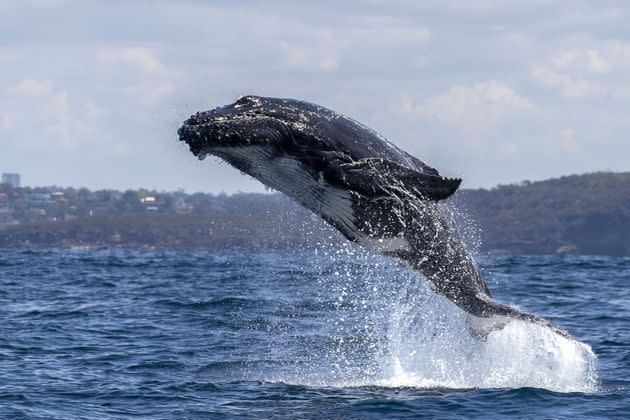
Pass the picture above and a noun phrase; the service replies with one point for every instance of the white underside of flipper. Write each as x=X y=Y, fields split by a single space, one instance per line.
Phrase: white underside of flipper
x=286 y=174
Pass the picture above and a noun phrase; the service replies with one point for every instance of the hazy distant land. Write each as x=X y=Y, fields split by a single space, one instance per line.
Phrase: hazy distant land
x=578 y=214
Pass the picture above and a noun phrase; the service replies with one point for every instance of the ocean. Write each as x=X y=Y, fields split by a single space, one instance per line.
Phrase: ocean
x=327 y=333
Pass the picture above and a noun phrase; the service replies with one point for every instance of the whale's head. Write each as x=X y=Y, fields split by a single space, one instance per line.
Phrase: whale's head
x=272 y=139
x=287 y=144
x=257 y=132
x=251 y=123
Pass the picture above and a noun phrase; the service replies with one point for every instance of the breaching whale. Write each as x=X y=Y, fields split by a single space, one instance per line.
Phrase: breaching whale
x=371 y=191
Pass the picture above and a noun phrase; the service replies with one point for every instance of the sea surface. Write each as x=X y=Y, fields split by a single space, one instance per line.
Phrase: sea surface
x=327 y=333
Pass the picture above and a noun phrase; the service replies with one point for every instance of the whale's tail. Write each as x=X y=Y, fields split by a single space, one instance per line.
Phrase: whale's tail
x=497 y=315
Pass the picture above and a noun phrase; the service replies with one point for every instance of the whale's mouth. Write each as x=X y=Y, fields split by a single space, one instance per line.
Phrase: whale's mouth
x=207 y=132
x=221 y=143
x=203 y=137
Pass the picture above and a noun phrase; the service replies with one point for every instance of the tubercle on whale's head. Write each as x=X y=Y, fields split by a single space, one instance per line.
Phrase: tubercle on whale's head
x=250 y=121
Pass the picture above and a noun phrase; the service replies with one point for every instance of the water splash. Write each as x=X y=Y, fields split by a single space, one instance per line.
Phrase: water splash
x=388 y=329
x=522 y=354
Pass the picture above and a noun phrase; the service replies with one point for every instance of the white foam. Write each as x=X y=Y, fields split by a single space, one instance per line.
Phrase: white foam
x=419 y=339
x=520 y=355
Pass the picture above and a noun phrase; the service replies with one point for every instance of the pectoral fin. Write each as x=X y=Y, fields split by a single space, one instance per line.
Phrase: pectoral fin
x=375 y=177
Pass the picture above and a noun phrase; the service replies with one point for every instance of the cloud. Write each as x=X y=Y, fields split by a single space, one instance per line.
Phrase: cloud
x=45 y=3
x=7 y=120
x=618 y=52
x=31 y=87
x=474 y=107
x=567 y=140
x=150 y=92
x=598 y=71
x=140 y=78
x=95 y=111
x=489 y=68
x=421 y=61
x=46 y=116
x=569 y=85
x=322 y=55
x=387 y=32
x=589 y=60
x=477 y=7
x=140 y=58
x=324 y=48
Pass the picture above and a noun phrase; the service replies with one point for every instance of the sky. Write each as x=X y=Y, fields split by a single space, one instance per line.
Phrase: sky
x=492 y=91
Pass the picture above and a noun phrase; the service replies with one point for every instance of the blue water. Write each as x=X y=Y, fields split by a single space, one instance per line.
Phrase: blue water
x=127 y=333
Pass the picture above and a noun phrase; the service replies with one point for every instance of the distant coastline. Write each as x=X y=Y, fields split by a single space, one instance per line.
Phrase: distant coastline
x=577 y=214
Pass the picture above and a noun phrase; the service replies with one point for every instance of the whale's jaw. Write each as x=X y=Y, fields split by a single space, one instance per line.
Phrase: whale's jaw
x=223 y=136
x=239 y=125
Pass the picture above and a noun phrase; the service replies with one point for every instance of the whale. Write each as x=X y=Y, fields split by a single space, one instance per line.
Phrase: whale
x=373 y=192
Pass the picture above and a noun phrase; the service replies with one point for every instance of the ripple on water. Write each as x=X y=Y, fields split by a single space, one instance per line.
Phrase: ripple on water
x=120 y=333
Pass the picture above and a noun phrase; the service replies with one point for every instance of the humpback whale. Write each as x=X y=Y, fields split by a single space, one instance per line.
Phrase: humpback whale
x=370 y=190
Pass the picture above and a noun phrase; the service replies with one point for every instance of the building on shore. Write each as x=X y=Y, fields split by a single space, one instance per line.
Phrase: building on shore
x=12 y=179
